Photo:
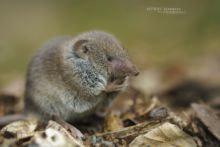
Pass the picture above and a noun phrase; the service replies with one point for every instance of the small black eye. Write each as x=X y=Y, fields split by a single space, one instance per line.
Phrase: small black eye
x=85 y=49
x=109 y=58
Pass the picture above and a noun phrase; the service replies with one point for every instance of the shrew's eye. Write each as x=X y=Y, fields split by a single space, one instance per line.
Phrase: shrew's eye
x=85 y=49
x=109 y=58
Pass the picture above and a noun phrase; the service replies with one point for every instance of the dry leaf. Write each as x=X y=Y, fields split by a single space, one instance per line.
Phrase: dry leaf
x=209 y=118
x=166 y=135
x=130 y=132
x=113 y=122
x=21 y=129
x=7 y=142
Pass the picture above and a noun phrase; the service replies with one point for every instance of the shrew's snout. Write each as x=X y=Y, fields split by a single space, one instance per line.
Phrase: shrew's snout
x=125 y=67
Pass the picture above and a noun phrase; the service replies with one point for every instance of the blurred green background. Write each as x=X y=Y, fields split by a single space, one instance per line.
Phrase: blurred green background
x=151 y=37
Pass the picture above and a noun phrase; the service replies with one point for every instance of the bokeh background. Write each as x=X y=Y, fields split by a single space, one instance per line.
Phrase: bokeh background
x=187 y=33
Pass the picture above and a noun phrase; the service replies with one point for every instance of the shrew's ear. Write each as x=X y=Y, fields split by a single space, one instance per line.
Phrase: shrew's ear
x=80 y=49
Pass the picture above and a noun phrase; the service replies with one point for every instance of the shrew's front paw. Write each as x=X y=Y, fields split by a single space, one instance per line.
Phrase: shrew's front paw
x=115 y=86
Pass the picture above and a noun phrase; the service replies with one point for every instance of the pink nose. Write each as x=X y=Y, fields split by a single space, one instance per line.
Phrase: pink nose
x=124 y=67
x=130 y=69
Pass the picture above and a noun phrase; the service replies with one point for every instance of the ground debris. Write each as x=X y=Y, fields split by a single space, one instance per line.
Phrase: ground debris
x=69 y=132
x=113 y=122
x=20 y=129
x=154 y=111
x=144 y=117
x=128 y=133
x=26 y=133
x=52 y=137
x=165 y=135
x=19 y=132
x=209 y=118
